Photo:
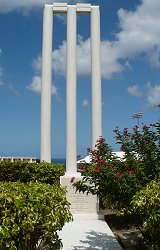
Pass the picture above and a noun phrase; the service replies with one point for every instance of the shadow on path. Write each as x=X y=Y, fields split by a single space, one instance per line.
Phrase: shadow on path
x=97 y=240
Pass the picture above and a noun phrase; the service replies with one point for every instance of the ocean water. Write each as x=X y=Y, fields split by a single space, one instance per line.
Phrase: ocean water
x=59 y=160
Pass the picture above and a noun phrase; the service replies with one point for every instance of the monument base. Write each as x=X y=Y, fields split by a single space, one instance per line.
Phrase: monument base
x=83 y=206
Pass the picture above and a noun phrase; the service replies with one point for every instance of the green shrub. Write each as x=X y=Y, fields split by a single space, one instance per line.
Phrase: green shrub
x=31 y=214
x=146 y=205
x=26 y=172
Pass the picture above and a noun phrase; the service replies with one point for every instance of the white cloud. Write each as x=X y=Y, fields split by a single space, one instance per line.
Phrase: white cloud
x=85 y=103
x=138 y=36
x=154 y=57
x=35 y=86
x=62 y=18
x=139 y=29
x=36 y=64
x=109 y=61
x=153 y=94
x=133 y=90
x=1 y=73
x=14 y=5
x=13 y=89
x=54 y=91
x=128 y=65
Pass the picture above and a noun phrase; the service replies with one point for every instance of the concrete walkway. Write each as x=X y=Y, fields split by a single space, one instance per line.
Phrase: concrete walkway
x=88 y=234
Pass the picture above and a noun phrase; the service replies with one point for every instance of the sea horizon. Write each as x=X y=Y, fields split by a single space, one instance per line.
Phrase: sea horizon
x=58 y=160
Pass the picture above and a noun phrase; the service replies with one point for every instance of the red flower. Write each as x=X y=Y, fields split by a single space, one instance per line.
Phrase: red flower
x=118 y=174
x=102 y=140
x=72 y=179
x=146 y=127
x=97 y=170
x=97 y=156
x=130 y=171
x=115 y=130
x=101 y=162
x=89 y=149
x=82 y=168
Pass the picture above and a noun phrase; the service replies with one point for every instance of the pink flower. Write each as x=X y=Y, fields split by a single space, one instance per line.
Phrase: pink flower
x=76 y=182
x=102 y=151
x=146 y=127
x=130 y=171
x=101 y=162
x=115 y=130
x=102 y=140
x=97 y=156
x=117 y=174
x=72 y=179
x=97 y=170
x=82 y=168
x=89 y=149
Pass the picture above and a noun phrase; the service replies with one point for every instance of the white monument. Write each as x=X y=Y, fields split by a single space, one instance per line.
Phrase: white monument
x=71 y=147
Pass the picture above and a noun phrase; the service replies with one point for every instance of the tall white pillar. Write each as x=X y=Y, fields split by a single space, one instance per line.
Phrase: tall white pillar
x=46 y=84
x=71 y=147
x=96 y=75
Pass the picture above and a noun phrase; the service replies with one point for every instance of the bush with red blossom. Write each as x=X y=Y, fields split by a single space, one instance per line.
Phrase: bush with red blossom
x=107 y=176
x=115 y=180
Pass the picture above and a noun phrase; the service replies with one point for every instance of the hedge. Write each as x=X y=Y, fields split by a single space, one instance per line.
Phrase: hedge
x=146 y=205
x=31 y=214
x=26 y=172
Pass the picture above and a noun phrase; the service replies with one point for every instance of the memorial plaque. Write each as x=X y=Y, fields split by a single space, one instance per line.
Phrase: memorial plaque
x=80 y=203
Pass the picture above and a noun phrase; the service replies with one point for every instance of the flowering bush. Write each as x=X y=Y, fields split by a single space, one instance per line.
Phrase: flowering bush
x=108 y=176
x=142 y=148
x=115 y=180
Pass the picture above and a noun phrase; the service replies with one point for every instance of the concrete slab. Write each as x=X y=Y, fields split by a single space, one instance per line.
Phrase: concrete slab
x=88 y=234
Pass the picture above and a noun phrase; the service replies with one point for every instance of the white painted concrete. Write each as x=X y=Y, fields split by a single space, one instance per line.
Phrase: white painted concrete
x=46 y=84
x=71 y=143
x=28 y=159
x=87 y=159
x=88 y=234
x=82 y=204
x=71 y=10
x=96 y=75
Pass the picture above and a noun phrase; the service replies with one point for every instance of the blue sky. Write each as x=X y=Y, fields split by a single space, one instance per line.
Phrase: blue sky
x=130 y=45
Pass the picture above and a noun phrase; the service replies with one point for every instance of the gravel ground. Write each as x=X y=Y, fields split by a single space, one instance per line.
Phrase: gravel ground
x=125 y=230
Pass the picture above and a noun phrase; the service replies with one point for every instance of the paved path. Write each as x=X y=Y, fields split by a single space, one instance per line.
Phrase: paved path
x=88 y=234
